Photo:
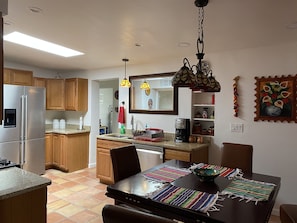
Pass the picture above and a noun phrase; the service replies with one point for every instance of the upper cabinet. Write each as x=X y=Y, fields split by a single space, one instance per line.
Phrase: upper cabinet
x=67 y=94
x=76 y=94
x=18 y=77
x=55 y=94
x=39 y=82
x=61 y=94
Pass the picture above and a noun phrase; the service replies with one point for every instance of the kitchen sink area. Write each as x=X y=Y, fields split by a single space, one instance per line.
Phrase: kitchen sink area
x=151 y=134
x=116 y=135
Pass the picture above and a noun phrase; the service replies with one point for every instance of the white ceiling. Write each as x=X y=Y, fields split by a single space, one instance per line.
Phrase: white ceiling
x=108 y=30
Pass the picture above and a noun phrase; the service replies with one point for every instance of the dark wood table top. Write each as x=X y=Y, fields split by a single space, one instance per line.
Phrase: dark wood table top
x=135 y=190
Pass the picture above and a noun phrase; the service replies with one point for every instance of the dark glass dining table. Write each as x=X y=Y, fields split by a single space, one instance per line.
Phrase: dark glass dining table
x=135 y=191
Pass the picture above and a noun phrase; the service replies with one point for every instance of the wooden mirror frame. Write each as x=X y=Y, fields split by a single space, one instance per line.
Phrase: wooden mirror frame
x=174 y=111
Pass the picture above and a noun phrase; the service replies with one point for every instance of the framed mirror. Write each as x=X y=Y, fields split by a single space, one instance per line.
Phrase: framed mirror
x=160 y=98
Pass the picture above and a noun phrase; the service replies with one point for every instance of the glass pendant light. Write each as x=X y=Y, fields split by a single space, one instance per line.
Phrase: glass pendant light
x=125 y=82
x=202 y=80
x=145 y=86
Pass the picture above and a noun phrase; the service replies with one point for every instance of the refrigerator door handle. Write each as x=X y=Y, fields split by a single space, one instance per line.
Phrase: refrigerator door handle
x=23 y=127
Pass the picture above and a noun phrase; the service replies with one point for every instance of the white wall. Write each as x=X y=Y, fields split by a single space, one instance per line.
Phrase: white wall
x=275 y=150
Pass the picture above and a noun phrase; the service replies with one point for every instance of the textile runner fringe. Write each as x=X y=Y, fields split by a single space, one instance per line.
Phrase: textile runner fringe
x=226 y=172
x=249 y=190
x=187 y=198
x=166 y=174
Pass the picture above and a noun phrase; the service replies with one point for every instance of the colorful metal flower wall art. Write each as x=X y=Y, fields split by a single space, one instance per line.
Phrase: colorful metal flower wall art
x=276 y=98
x=276 y=95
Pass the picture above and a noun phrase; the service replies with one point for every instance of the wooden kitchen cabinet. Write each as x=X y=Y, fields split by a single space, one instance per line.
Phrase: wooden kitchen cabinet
x=17 y=77
x=58 y=141
x=70 y=152
x=55 y=94
x=197 y=155
x=39 y=82
x=48 y=151
x=76 y=94
x=25 y=208
x=104 y=170
x=171 y=154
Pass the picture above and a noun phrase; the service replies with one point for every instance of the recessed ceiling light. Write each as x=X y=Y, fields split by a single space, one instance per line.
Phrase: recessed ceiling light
x=35 y=43
x=184 y=44
x=35 y=9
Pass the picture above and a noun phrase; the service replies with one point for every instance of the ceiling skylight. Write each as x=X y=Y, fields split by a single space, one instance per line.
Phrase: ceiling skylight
x=29 y=41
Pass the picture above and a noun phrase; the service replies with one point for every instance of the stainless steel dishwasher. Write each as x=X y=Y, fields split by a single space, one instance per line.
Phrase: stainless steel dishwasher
x=149 y=156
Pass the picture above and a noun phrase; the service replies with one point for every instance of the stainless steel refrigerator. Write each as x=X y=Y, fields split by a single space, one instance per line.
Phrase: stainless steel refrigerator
x=22 y=132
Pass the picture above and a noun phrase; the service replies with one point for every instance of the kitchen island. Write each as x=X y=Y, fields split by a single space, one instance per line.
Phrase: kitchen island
x=189 y=152
x=23 y=196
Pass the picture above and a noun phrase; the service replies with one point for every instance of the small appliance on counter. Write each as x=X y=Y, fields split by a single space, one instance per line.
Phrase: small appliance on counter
x=4 y=163
x=182 y=130
x=151 y=134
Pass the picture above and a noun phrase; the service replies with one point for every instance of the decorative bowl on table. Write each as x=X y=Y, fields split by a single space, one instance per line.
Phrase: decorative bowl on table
x=206 y=174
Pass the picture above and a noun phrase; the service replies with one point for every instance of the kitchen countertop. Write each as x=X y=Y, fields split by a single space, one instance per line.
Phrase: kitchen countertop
x=183 y=146
x=70 y=129
x=16 y=181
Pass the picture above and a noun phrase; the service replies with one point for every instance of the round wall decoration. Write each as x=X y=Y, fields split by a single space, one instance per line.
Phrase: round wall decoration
x=116 y=94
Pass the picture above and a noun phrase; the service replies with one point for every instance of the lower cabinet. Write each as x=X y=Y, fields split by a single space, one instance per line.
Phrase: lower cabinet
x=48 y=151
x=197 y=155
x=104 y=170
x=25 y=208
x=67 y=152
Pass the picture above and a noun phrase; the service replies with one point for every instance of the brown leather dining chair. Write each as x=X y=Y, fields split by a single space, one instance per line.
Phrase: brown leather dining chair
x=236 y=155
x=119 y=214
x=125 y=162
x=288 y=213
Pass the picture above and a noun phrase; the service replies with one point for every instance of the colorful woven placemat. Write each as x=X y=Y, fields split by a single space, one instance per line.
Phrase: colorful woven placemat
x=166 y=174
x=224 y=171
x=249 y=190
x=186 y=198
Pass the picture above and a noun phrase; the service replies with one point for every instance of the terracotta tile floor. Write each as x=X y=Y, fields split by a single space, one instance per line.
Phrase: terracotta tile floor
x=76 y=197
x=79 y=197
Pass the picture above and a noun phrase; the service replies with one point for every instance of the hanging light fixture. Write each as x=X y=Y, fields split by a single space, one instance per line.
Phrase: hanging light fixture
x=125 y=82
x=145 y=85
x=202 y=80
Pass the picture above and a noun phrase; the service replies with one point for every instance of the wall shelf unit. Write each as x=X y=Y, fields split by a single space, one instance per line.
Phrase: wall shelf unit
x=203 y=113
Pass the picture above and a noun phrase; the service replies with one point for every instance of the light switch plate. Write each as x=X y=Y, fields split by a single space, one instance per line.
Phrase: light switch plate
x=236 y=127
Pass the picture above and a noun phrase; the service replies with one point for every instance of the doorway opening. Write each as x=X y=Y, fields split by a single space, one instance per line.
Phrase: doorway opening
x=108 y=105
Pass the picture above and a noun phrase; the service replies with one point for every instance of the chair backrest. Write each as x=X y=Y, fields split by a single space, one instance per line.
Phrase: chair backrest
x=238 y=156
x=288 y=213
x=119 y=214
x=125 y=162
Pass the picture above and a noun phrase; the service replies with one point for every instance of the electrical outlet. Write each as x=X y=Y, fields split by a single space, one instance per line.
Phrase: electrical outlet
x=236 y=127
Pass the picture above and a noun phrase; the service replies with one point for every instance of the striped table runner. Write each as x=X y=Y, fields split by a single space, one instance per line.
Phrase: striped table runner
x=249 y=190
x=186 y=198
x=166 y=174
x=224 y=171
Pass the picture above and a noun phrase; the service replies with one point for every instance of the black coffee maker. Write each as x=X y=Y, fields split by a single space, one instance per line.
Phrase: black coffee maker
x=182 y=130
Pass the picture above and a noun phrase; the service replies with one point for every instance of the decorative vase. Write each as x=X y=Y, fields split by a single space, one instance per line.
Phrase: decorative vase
x=273 y=110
